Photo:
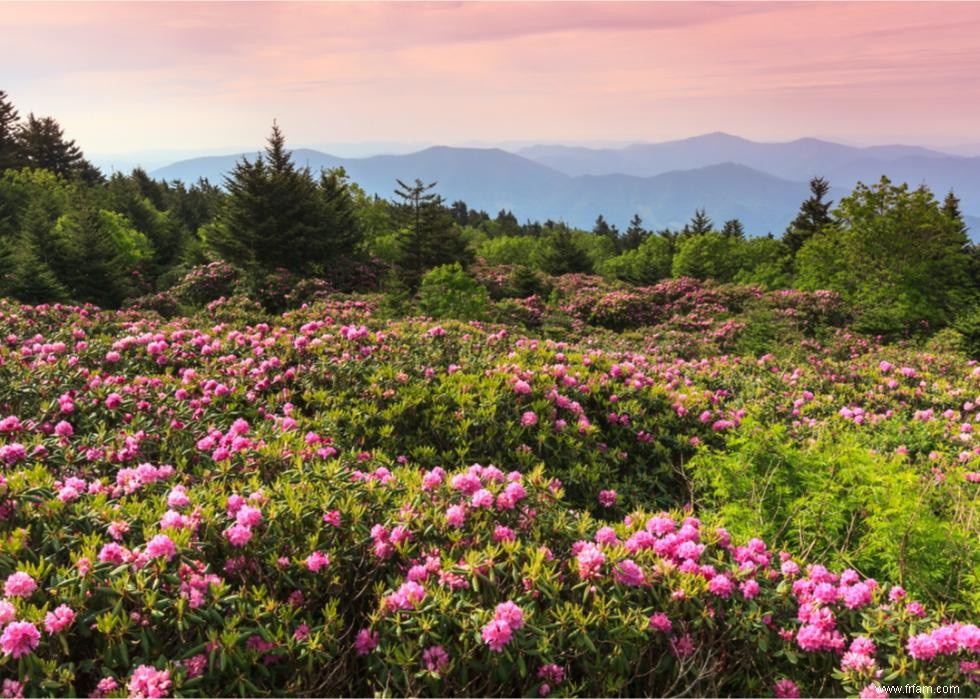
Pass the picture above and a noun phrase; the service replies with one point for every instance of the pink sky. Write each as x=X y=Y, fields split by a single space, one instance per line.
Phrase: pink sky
x=123 y=76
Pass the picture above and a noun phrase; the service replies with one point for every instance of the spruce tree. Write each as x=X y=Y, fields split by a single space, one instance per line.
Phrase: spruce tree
x=42 y=144
x=342 y=227
x=635 y=234
x=33 y=258
x=699 y=224
x=94 y=268
x=273 y=215
x=10 y=156
x=561 y=255
x=951 y=208
x=814 y=215
x=733 y=228
x=429 y=237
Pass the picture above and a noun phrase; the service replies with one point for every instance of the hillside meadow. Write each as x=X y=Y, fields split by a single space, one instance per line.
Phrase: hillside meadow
x=688 y=488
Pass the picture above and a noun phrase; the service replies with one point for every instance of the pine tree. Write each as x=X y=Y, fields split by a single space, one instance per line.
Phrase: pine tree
x=733 y=228
x=94 y=270
x=951 y=208
x=813 y=217
x=42 y=144
x=506 y=223
x=699 y=224
x=343 y=230
x=429 y=236
x=560 y=254
x=10 y=156
x=33 y=257
x=635 y=234
x=273 y=215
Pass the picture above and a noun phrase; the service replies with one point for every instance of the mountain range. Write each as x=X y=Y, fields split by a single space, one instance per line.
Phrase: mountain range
x=762 y=184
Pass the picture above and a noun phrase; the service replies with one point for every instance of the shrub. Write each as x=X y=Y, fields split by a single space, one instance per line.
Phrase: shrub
x=449 y=292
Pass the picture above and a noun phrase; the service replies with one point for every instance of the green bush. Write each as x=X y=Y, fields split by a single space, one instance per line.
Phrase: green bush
x=449 y=292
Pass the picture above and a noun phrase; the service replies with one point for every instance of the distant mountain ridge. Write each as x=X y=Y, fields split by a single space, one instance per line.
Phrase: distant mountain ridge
x=762 y=184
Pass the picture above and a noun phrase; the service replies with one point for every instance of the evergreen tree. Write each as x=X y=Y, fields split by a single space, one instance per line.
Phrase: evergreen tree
x=10 y=156
x=951 y=207
x=604 y=230
x=95 y=269
x=635 y=234
x=506 y=224
x=273 y=215
x=699 y=224
x=343 y=229
x=559 y=254
x=814 y=215
x=429 y=237
x=460 y=212
x=33 y=258
x=895 y=256
x=733 y=228
x=42 y=144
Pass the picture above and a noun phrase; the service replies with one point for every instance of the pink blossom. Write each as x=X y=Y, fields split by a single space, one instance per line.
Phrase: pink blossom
x=607 y=498
x=721 y=586
x=922 y=647
x=148 y=682
x=161 y=546
x=455 y=516
x=629 y=573
x=19 y=638
x=510 y=613
x=497 y=634
x=19 y=584
x=238 y=535
x=8 y=612
x=436 y=659
x=367 y=641
x=590 y=559
x=316 y=561
x=60 y=619
x=661 y=622
x=786 y=689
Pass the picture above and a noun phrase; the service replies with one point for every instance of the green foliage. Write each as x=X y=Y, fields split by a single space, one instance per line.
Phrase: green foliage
x=814 y=216
x=428 y=236
x=509 y=250
x=449 y=292
x=646 y=264
x=894 y=255
x=276 y=216
x=706 y=256
x=561 y=253
x=764 y=261
x=839 y=501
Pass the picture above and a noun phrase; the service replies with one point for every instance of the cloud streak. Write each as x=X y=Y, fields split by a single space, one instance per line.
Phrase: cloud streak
x=130 y=76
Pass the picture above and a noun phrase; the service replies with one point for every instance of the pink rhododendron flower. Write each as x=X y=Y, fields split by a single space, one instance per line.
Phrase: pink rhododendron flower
x=60 y=619
x=436 y=659
x=238 y=535
x=147 y=682
x=161 y=546
x=19 y=638
x=19 y=584
x=316 y=561
x=786 y=689
x=497 y=634
x=367 y=640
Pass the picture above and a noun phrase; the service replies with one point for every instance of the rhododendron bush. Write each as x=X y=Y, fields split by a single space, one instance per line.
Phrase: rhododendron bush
x=328 y=503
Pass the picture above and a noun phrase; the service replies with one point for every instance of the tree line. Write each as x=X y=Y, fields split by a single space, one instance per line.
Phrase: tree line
x=899 y=256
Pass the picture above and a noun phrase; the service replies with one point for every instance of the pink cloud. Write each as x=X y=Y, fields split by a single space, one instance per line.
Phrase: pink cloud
x=134 y=75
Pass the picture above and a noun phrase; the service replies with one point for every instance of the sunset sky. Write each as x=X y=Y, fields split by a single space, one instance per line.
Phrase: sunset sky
x=126 y=77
